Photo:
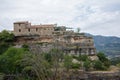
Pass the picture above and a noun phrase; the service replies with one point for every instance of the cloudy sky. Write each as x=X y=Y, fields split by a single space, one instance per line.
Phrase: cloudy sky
x=99 y=17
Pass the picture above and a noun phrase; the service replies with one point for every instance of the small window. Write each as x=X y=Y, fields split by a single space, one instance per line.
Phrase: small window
x=53 y=33
x=29 y=30
x=19 y=30
x=89 y=41
x=36 y=29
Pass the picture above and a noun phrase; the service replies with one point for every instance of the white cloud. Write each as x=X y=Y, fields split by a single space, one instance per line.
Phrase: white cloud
x=92 y=16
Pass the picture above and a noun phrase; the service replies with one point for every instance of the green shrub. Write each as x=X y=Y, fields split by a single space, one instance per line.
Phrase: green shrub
x=75 y=65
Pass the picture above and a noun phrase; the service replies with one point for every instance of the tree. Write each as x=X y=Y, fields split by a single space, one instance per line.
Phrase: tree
x=48 y=57
x=41 y=67
x=3 y=47
x=26 y=47
x=106 y=62
x=101 y=56
x=98 y=65
x=87 y=65
x=9 y=59
x=67 y=62
x=6 y=36
x=57 y=57
x=6 y=40
x=75 y=65
x=83 y=57
x=45 y=65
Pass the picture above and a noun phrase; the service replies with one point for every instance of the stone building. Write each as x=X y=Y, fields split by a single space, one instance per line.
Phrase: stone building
x=25 y=28
x=69 y=41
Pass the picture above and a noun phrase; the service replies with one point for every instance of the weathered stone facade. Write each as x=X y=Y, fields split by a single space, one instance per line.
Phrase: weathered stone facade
x=71 y=42
x=25 y=28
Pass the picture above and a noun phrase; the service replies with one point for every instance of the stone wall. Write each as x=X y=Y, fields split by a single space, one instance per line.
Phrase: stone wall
x=25 y=28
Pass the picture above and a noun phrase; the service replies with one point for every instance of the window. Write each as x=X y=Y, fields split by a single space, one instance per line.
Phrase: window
x=89 y=41
x=19 y=30
x=36 y=29
x=29 y=30
x=53 y=33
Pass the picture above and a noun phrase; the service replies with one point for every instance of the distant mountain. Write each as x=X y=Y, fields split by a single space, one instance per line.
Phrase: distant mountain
x=110 y=45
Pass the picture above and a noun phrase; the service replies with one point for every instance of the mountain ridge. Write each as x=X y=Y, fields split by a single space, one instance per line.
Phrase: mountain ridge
x=110 y=45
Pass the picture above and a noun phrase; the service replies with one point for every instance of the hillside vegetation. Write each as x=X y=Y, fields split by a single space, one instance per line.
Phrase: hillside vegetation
x=31 y=65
